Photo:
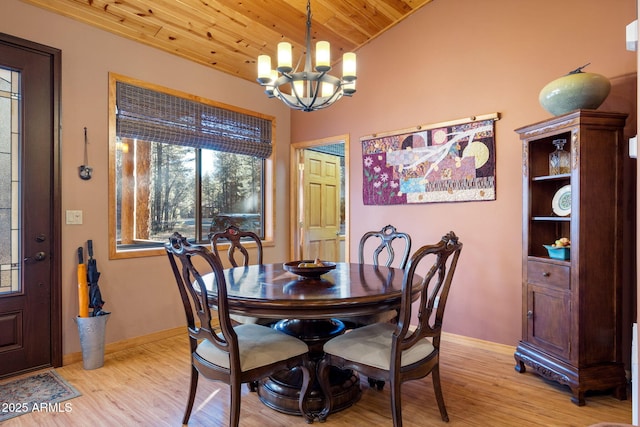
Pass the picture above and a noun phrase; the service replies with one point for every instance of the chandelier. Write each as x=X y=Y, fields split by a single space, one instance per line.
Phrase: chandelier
x=309 y=89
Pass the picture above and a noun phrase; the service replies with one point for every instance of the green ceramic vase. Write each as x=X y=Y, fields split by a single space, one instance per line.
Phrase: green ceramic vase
x=575 y=91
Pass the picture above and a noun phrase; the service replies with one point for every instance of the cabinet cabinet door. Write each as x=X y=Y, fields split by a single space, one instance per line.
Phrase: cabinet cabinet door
x=548 y=320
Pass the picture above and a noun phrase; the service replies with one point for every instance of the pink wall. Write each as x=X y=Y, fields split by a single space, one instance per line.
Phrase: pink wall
x=459 y=58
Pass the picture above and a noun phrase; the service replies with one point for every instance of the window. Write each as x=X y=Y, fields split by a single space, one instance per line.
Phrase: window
x=182 y=163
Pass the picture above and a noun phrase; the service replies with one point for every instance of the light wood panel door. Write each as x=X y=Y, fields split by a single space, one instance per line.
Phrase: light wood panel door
x=321 y=224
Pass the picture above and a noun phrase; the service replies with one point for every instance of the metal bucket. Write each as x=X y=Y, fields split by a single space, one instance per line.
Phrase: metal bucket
x=92 y=335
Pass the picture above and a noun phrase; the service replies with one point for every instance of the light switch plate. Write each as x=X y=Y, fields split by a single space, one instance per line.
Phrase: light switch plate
x=74 y=217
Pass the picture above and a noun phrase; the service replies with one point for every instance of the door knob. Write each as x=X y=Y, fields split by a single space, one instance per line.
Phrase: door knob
x=529 y=314
x=39 y=256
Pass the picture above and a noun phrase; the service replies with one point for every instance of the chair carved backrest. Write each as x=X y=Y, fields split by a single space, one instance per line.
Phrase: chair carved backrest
x=433 y=295
x=234 y=236
x=194 y=260
x=386 y=236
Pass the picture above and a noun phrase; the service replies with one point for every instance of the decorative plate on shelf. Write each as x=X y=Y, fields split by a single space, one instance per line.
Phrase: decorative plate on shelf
x=561 y=203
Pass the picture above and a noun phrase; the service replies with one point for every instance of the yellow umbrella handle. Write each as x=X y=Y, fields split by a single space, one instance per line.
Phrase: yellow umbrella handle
x=83 y=291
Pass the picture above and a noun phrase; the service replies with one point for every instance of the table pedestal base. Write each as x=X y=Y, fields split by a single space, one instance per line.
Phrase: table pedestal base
x=281 y=391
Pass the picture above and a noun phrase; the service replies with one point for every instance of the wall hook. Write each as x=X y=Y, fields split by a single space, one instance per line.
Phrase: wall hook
x=84 y=170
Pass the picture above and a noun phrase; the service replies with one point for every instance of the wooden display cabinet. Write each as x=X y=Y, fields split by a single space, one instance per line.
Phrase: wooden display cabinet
x=572 y=320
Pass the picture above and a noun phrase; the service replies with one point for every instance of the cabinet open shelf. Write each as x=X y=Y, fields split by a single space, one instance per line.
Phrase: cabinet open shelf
x=552 y=218
x=563 y=176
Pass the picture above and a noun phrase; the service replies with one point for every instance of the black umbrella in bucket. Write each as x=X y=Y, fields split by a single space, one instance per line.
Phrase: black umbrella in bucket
x=95 y=297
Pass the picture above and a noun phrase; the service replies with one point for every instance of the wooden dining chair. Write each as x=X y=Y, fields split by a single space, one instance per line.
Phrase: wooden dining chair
x=370 y=249
x=235 y=236
x=385 y=239
x=401 y=352
x=232 y=354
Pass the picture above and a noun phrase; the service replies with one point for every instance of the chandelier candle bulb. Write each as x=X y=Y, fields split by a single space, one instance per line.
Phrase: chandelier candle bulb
x=349 y=66
x=285 y=58
x=327 y=89
x=264 y=68
x=323 y=56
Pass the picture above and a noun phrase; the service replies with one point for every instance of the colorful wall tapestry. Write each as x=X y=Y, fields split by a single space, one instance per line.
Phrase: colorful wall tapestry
x=449 y=162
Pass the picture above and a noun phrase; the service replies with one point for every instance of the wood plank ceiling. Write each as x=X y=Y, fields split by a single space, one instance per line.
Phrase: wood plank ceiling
x=229 y=35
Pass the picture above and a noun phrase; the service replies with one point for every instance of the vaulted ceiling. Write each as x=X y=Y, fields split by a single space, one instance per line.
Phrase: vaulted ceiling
x=229 y=35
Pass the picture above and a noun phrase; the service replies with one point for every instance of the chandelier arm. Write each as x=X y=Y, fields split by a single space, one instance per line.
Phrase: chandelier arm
x=297 y=67
x=294 y=104
x=318 y=87
x=298 y=96
x=337 y=94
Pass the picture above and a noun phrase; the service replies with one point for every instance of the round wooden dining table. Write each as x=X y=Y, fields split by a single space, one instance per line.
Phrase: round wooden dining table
x=309 y=308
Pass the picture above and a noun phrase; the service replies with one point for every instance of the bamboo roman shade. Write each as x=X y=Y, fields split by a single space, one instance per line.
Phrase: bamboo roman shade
x=160 y=117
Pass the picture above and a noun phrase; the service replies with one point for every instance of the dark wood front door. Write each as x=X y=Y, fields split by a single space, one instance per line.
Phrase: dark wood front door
x=30 y=288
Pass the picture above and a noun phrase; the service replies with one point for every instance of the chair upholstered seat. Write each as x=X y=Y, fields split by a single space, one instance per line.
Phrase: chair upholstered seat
x=258 y=346
x=371 y=345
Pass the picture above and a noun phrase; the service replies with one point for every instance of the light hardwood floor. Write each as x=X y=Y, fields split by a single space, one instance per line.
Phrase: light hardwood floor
x=147 y=386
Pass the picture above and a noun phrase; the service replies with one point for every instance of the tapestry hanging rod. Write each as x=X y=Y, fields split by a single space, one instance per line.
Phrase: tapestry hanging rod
x=491 y=116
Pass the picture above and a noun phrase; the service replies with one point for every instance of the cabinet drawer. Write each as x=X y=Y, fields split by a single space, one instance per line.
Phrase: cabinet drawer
x=544 y=273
